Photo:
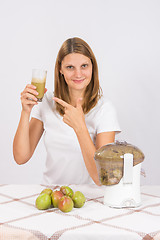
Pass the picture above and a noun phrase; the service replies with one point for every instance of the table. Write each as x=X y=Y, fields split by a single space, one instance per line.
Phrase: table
x=19 y=218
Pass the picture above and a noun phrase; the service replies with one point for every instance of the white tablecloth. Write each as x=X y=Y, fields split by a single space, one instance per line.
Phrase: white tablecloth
x=20 y=219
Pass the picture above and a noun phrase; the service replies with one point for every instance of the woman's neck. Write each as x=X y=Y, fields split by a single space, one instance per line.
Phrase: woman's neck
x=74 y=96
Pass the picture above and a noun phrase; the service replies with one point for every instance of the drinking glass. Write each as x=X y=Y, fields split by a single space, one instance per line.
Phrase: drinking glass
x=39 y=80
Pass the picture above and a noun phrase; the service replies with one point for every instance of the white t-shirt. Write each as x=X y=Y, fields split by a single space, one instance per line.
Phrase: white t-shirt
x=64 y=163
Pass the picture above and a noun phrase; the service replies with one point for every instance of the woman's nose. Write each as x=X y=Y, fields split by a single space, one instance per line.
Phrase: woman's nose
x=78 y=73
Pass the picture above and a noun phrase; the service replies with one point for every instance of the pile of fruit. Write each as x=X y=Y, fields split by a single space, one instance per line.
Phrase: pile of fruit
x=64 y=199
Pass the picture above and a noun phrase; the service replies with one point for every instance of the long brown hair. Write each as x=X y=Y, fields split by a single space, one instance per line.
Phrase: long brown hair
x=93 y=91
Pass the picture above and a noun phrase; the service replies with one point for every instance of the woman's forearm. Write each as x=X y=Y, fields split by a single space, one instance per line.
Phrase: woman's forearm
x=88 y=150
x=21 y=143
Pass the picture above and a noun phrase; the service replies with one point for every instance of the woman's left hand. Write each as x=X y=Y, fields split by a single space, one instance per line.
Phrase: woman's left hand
x=73 y=116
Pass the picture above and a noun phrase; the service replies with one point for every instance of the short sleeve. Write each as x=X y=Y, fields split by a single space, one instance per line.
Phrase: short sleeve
x=107 y=119
x=36 y=111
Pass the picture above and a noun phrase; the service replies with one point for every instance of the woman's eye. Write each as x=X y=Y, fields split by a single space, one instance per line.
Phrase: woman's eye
x=69 y=67
x=84 y=65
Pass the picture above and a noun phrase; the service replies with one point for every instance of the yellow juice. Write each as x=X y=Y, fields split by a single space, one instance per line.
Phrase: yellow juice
x=40 y=86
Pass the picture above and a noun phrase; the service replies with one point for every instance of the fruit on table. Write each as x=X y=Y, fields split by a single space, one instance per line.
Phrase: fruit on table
x=65 y=199
x=43 y=201
x=65 y=204
x=47 y=190
x=78 y=199
x=56 y=195
x=67 y=191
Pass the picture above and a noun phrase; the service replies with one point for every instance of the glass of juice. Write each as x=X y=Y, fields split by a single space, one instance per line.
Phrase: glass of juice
x=39 y=80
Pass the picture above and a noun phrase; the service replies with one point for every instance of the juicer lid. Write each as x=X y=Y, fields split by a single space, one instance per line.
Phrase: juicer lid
x=115 y=152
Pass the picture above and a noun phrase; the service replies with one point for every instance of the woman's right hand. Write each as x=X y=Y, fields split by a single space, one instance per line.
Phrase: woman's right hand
x=28 y=99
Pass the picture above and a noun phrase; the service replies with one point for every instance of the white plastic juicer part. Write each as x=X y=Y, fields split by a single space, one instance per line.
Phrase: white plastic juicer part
x=127 y=192
x=119 y=167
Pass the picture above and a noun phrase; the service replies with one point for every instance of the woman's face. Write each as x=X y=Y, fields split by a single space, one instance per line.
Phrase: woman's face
x=77 y=71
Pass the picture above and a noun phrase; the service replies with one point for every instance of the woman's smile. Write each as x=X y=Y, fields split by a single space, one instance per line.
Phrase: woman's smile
x=78 y=81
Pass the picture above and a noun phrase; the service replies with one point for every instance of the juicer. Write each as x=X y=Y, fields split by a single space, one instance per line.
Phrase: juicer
x=119 y=168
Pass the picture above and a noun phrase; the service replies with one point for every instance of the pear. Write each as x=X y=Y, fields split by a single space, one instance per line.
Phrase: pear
x=43 y=201
x=65 y=204
x=47 y=190
x=56 y=195
x=67 y=191
x=78 y=199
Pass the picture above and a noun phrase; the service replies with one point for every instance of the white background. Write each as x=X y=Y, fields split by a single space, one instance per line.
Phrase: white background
x=125 y=37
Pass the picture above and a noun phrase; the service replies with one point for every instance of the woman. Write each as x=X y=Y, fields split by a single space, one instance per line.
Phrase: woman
x=76 y=120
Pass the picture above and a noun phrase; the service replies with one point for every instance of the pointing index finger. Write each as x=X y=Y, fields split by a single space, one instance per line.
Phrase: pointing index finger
x=60 y=101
